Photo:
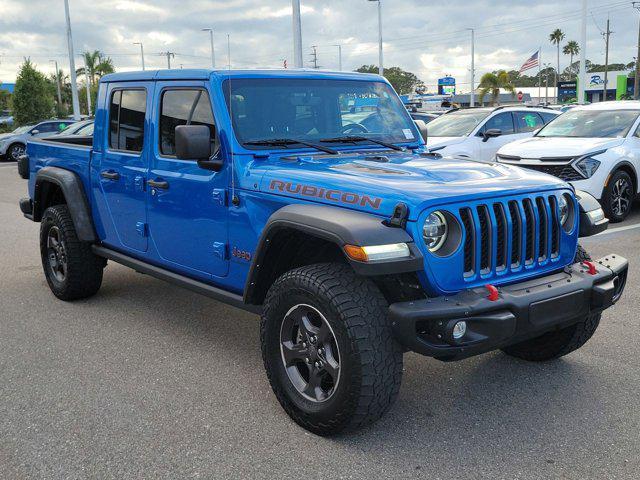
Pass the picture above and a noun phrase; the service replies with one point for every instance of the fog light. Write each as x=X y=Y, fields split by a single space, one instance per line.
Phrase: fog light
x=459 y=329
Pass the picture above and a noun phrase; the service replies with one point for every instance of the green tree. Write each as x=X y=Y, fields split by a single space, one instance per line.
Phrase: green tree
x=402 y=81
x=491 y=83
x=572 y=49
x=32 y=97
x=95 y=65
x=556 y=38
x=5 y=100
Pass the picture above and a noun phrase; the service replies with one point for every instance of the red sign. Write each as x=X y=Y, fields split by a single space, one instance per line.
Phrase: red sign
x=520 y=96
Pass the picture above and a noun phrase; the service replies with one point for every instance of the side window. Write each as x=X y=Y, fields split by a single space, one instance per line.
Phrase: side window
x=126 y=120
x=528 y=121
x=502 y=121
x=183 y=107
x=47 y=127
x=547 y=117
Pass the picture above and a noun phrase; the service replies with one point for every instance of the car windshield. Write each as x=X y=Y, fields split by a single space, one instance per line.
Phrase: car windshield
x=75 y=128
x=591 y=124
x=21 y=130
x=314 y=110
x=457 y=124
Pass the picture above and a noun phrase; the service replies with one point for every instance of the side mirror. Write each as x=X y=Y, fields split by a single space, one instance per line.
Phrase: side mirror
x=35 y=132
x=422 y=127
x=491 y=133
x=193 y=142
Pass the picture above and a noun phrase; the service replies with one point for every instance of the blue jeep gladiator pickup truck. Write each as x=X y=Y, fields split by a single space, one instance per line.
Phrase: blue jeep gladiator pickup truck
x=284 y=193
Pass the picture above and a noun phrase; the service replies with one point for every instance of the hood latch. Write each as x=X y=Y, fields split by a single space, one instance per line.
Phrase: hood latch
x=399 y=217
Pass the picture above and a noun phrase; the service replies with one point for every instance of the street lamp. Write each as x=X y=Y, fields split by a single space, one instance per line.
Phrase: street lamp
x=72 y=65
x=297 y=34
x=141 y=52
x=380 y=67
x=213 y=52
x=472 y=102
x=339 y=57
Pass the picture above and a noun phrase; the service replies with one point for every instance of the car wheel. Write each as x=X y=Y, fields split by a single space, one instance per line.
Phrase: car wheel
x=15 y=151
x=618 y=196
x=328 y=348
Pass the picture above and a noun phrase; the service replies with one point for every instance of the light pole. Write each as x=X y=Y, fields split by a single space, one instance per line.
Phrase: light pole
x=88 y=84
x=141 y=52
x=380 y=62
x=297 y=34
x=339 y=57
x=636 y=80
x=582 y=78
x=72 y=65
x=213 y=52
x=472 y=102
x=55 y=62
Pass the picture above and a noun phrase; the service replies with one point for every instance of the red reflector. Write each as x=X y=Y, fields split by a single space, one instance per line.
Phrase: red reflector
x=493 y=293
x=591 y=268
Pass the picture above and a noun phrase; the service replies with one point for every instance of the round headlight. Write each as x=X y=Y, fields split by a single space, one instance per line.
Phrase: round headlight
x=435 y=231
x=563 y=209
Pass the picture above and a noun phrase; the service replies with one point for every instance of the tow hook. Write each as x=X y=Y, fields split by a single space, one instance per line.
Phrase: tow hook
x=591 y=268
x=493 y=293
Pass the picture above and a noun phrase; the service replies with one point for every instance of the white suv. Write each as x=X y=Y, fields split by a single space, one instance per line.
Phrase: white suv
x=594 y=147
x=478 y=133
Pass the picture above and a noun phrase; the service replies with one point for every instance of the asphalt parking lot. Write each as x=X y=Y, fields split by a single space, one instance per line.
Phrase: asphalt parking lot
x=146 y=380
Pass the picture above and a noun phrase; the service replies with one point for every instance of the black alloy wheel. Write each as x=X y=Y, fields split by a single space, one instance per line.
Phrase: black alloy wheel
x=310 y=353
x=57 y=254
x=621 y=196
x=16 y=151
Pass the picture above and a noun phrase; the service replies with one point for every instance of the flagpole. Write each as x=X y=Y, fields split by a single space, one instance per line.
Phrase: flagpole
x=539 y=74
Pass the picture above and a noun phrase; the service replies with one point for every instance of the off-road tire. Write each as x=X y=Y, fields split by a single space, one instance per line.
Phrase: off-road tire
x=370 y=358
x=609 y=193
x=556 y=344
x=84 y=269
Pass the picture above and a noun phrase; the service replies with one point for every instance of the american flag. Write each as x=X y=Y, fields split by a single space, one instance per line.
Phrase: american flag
x=531 y=62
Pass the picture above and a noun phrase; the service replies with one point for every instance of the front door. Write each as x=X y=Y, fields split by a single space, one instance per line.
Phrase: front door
x=123 y=165
x=504 y=122
x=186 y=204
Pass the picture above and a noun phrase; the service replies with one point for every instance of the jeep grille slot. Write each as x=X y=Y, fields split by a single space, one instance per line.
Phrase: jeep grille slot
x=555 y=233
x=485 y=239
x=501 y=242
x=543 y=230
x=469 y=241
x=516 y=236
x=530 y=234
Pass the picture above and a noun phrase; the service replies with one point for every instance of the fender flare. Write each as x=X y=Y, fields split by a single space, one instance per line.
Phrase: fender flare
x=626 y=164
x=341 y=227
x=73 y=191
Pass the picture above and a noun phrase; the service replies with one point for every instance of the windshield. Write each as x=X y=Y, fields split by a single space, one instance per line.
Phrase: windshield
x=591 y=124
x=75 y=128
x=21 y=130
x=314 y=110
x=456 y=124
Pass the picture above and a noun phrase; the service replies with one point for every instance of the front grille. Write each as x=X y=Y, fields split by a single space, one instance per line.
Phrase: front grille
x=504 y=235
x=565 y=172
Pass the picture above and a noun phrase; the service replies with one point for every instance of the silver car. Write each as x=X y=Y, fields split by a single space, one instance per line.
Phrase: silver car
x=13 y=144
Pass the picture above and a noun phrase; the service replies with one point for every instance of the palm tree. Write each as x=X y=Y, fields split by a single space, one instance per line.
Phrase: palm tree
x=95 y=65
x=491 y=83
x=555 y=38
x=572 y=48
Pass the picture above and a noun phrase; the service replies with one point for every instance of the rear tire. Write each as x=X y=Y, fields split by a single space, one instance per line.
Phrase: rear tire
x=346 y=330
x=556 y=344
x=70 y=267
x=618 y=196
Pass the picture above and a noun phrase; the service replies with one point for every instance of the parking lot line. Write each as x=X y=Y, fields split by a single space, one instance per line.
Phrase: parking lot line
x=619 y=229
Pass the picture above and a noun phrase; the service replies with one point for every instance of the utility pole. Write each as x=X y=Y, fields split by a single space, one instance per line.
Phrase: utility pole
x=141 y=53
x=229 y=51
x=472 y=102
x=539 y=75
x=546 y=82
x=314 y=56
x=213 y=52
x=606 y=35
x=58 y=84
x=297 y=34
x=380 y=59
x=169 y=55
x=582 y=77
x=339 y=57
x=636 y=80
x=72 y=65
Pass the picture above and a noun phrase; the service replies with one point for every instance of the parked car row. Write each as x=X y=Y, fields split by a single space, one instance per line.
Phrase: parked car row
x=13 y=144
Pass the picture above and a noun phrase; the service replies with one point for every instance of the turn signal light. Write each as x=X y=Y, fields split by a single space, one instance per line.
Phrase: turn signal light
x=373 y=253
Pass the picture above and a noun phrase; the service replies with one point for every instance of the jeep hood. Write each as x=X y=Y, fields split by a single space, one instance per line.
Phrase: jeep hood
x=541 y=147
x=376 y=182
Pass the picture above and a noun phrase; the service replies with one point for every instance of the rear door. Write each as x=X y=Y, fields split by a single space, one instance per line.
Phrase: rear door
x=124 y=164
x=187 y=204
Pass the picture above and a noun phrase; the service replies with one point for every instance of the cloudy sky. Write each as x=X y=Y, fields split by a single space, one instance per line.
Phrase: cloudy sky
x=424 y=36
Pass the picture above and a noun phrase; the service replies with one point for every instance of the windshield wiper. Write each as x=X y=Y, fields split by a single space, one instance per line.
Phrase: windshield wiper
x=291 y=141
x=356 y=139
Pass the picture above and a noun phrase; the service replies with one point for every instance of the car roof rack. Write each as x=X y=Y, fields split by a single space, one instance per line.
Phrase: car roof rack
x=500 y=107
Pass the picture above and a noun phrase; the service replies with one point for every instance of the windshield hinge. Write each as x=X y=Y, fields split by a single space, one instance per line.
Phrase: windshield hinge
x=399 y=217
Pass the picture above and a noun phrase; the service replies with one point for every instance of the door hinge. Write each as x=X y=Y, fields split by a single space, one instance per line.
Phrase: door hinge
x=141 y=228
x=220 y=250
x=220 y=196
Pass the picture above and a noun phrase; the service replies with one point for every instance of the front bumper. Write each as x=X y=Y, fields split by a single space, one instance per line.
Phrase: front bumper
x=522 y=311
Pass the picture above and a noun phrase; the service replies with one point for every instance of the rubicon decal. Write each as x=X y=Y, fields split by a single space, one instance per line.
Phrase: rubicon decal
x=337 y=196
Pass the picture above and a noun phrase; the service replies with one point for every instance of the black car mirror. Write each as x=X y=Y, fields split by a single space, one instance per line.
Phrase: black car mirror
x=491 y=133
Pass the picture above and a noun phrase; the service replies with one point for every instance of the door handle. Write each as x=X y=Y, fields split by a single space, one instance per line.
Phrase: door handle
x=158 y=184
x=110 y=175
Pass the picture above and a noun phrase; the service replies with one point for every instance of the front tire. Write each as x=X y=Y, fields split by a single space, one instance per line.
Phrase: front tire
x=15 y=151
x=70 y=267
x=328 y=348
x=618 y=196
x=558 y=343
